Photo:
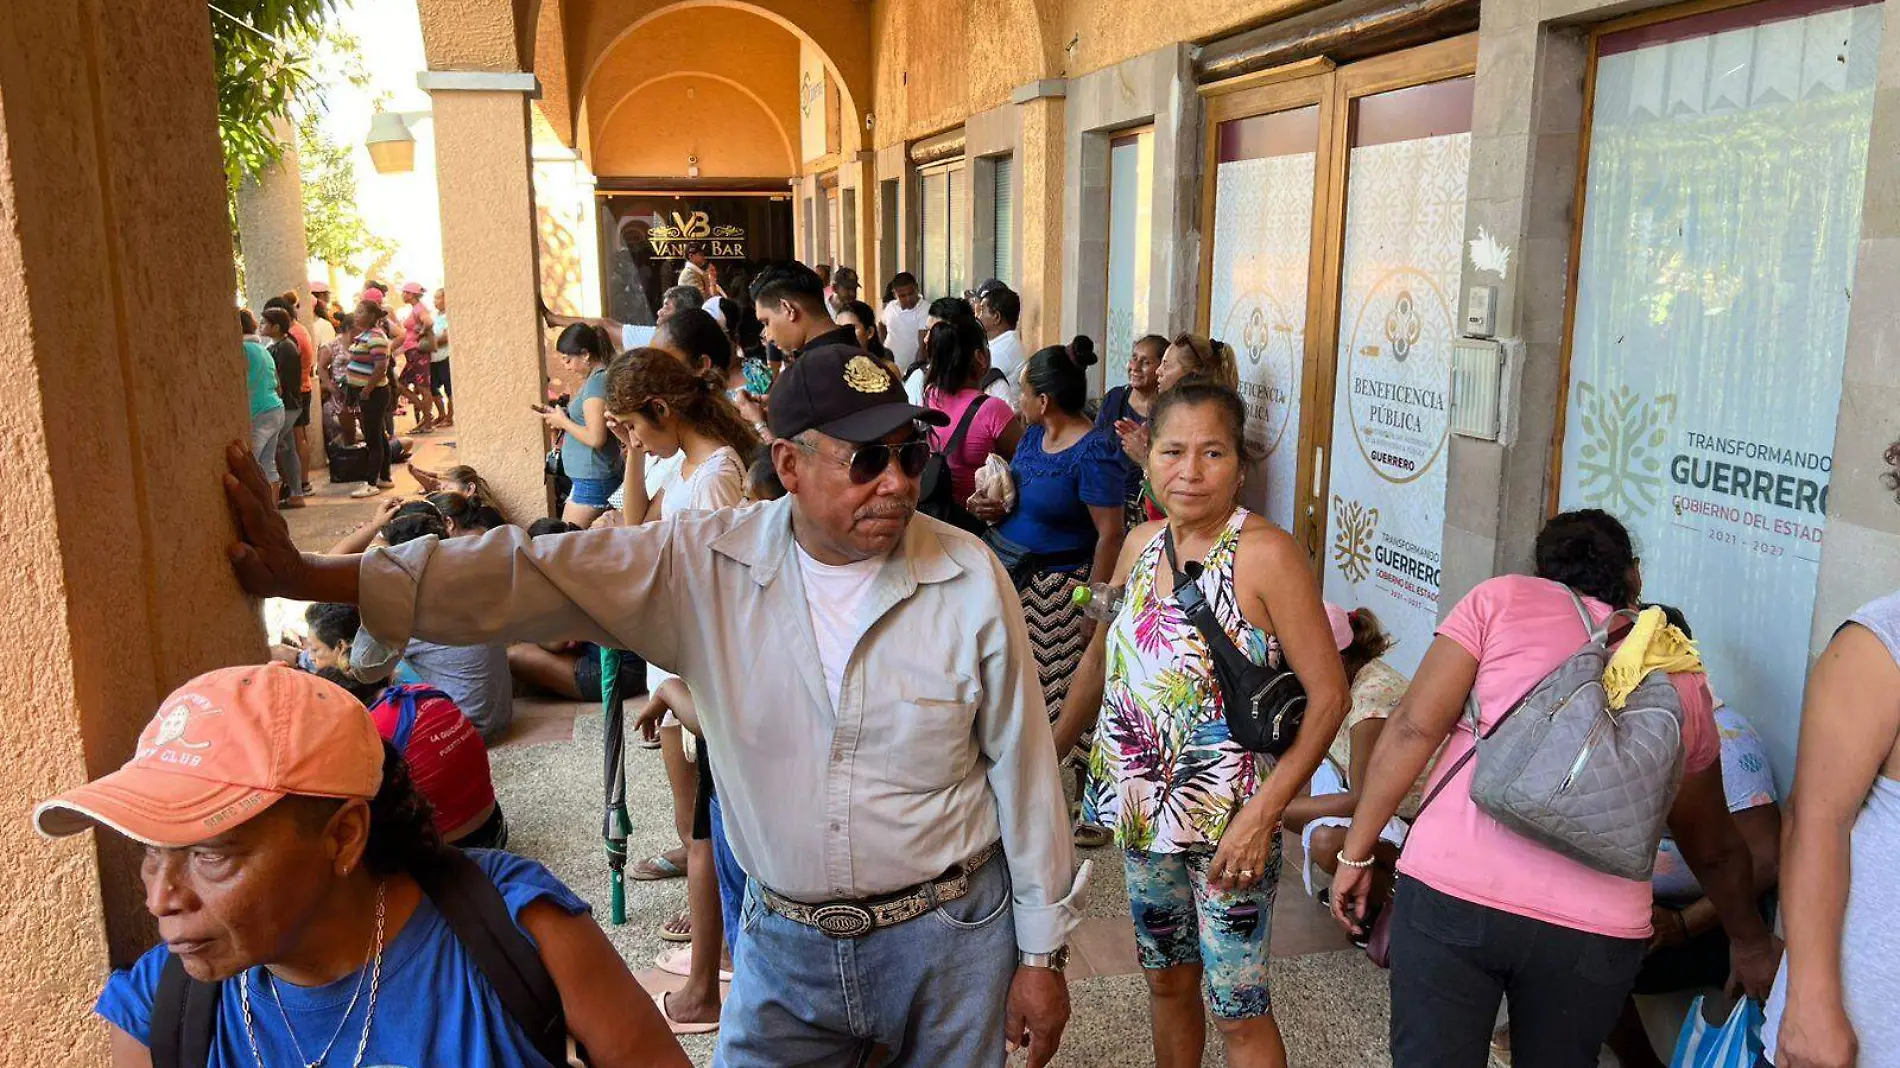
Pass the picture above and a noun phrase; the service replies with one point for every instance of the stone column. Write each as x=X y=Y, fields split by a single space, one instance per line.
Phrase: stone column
x=111 y=447
x=1526 y=142
x=490 y=268
x=270 y=227
x=1039 y=176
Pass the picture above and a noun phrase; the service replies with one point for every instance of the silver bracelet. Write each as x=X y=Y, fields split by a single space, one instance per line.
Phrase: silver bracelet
x=1366 y=863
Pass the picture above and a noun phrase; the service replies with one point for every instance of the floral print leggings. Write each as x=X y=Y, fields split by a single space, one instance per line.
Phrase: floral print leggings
x=1180 y=919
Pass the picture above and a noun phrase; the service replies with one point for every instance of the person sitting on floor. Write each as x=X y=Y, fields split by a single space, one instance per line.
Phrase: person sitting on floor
x=1324 y=814
x=286 y=855
x=570 y=670
x=476 y=677
x=445 y=755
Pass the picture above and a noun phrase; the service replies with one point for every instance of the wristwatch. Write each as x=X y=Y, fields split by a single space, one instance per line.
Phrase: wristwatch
x=1057 y=961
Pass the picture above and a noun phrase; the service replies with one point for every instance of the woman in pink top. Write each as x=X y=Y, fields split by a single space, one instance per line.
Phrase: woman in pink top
x=1482 y=912
x=959 y=359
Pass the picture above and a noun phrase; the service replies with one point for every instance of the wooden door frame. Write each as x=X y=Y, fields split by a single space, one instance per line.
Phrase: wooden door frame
x=1334 y=90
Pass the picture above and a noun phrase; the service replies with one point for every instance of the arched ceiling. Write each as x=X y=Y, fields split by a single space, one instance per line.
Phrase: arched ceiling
x=596 y=31
x=735 y=50
x=717 y=120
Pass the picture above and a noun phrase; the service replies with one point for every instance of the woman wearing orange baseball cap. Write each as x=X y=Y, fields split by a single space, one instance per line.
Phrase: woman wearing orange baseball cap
x=310 y=914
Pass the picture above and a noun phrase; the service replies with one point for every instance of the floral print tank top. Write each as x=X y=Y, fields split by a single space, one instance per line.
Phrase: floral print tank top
x=1165 y=774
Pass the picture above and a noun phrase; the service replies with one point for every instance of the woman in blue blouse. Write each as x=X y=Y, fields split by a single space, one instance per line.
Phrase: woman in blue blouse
x=1067 y=524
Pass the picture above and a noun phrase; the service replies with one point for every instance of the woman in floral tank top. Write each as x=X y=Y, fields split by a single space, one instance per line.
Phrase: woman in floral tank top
x=1197 y=815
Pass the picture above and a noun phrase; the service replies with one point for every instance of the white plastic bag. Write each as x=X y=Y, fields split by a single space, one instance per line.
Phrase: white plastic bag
x=995 y=482
x=1736 y=1044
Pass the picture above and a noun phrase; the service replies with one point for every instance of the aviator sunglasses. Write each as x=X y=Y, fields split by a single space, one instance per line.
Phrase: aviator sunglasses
x=869 y=461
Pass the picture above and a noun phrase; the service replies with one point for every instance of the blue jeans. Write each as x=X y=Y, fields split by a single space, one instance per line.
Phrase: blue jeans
x=929 y=992
x=731 y=878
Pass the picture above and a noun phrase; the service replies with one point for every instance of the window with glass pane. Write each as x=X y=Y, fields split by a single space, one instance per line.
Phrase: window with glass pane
x=934 y=249
x=958 y=269
x=1722 y=212
x=1130 y=194
x=1003 y=220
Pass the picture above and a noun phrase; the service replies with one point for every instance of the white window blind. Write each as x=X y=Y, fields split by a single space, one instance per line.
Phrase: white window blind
x=955 y=192
x=1003 y=223
x=935 y=249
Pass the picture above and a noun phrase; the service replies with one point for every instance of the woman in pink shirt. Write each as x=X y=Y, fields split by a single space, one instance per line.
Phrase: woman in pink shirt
x=1482 y=913
x=959 y=359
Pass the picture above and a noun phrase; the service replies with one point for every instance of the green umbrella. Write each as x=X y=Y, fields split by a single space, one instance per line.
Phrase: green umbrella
x=615 y=825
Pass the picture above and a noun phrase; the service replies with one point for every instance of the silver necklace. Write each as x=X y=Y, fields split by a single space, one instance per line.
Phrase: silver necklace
x=374 y=967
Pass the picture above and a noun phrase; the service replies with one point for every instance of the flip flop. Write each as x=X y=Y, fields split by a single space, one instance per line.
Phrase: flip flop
x=680 y=962
x=655 y=868
x=678 y=929
x=658 y=987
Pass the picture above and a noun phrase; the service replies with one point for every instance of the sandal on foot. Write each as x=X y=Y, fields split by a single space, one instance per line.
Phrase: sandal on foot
x=680 y=962
x=655 y=868
x=679 y=928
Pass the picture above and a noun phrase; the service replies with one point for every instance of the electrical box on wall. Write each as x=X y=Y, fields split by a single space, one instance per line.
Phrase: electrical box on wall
x=1477 y=379
x=1481 y=311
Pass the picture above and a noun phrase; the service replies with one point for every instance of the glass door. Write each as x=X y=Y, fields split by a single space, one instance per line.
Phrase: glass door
x=1263 y=184
x=1335 y=201
x=1400 y=272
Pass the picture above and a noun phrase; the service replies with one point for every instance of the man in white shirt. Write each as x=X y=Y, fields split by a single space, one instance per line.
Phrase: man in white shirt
x=903 y=320
x=998 y=309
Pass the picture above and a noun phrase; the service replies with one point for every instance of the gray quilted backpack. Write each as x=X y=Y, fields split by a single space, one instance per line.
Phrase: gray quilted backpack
x=1568 y=772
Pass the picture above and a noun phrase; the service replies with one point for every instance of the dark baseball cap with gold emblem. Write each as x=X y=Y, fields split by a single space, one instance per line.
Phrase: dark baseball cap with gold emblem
x=843 y=392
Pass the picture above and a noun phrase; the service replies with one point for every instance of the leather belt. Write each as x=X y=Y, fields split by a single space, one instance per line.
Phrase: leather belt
x=855 y=919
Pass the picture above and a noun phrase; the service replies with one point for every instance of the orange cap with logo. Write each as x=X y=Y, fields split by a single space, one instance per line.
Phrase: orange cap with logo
x=224 y=747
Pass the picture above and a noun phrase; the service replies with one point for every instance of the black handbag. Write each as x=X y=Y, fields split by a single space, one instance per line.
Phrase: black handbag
x=1263 y=705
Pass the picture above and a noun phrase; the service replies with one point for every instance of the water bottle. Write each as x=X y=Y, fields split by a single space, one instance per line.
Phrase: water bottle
x=1098 y=600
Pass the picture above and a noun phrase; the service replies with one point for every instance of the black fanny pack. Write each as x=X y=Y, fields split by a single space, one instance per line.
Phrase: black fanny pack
x=1263 y=705
x=1025 y=564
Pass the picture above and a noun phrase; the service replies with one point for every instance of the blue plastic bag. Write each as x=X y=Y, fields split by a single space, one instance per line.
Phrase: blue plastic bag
x=1735 y=1044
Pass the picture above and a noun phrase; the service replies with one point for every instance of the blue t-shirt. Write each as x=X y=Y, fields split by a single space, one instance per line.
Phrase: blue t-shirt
x=1115 y=406
x=1055 y=490
x=577 y=459
x=433 y=1006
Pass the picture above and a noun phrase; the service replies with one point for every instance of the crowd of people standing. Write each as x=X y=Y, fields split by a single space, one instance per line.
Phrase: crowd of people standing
x=917 y=616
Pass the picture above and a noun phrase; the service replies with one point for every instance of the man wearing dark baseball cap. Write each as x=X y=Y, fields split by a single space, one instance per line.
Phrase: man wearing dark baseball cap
x=865 y=678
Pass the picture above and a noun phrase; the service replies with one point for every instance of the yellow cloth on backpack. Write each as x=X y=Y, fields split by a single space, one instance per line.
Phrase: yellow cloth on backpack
x=1653 y=644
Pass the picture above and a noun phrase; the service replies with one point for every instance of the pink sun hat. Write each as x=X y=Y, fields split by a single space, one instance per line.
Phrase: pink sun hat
x=1342 y=625
x=412 y=288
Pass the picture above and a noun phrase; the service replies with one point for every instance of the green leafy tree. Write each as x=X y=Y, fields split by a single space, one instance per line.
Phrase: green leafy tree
x=333 y=230
x=264 y=53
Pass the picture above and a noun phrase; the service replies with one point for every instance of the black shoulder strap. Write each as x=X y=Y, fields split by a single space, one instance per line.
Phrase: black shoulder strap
x=963 y=425
x=1195 y=606
x=475 y=911
x=184 y=1018
x=991 y=377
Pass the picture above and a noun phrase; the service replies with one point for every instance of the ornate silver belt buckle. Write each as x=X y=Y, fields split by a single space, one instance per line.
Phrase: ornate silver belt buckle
x=843 y=920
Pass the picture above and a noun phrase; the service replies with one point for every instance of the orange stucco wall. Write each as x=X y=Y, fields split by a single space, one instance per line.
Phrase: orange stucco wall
x=111 y=209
